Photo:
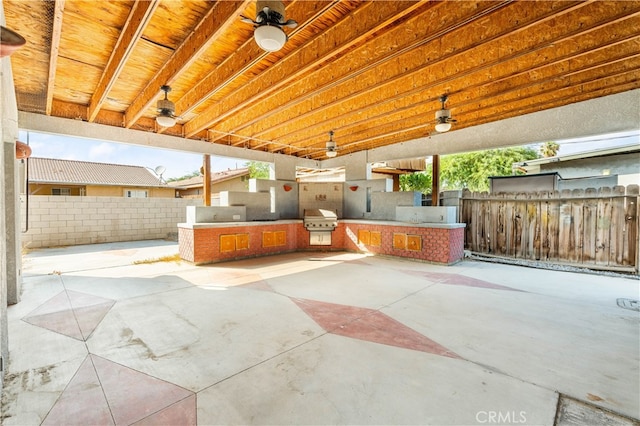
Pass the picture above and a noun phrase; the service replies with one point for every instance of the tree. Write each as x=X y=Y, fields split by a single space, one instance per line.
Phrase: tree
x=258 y=169
x=472 y=170
x=418 y=181
x=549 y=149
x=188 y=176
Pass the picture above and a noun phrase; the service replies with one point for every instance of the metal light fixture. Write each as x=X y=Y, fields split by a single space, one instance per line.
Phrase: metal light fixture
x=270 y=38
x=331 y=146
x=268 y=24
x=166 y=108
x=443 y=117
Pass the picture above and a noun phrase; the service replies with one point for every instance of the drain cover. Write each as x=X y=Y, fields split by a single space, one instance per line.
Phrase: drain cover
x=634 y=305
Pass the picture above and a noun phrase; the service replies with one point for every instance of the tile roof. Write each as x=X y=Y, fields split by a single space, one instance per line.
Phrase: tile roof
x=216 y=177
x=49 y=170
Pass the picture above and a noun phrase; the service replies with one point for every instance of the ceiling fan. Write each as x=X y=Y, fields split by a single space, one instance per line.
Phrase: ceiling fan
x=443 y=117
x=166 y=110
x=270 y=19
x=332 y=149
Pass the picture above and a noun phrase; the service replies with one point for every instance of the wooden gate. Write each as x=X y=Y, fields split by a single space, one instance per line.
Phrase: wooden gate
x=592 y=228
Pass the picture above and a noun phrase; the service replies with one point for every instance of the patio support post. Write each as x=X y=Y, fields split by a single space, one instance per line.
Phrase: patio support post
x=435 y=180
x=10 y=256
x=206 y=179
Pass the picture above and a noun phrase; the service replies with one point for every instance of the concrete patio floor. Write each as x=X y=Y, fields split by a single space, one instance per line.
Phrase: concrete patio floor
x=314 y=338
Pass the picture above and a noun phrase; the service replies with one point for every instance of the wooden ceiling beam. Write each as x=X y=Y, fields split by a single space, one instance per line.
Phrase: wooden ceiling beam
x=134 y=26
x=561 y=100
x=56 y=31
x=590 y=60
x=435 y=75
x=419 y=132
x=490 y=88
x=470 y=112
x=219 y=17
x=413 y=33
x=515 y=101
x=352 y=31
x=247 y=57
x=474 y=112
x=344 y=84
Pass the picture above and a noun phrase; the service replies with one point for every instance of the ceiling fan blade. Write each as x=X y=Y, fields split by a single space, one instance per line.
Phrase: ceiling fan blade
x=290 y=23
x=247 y=20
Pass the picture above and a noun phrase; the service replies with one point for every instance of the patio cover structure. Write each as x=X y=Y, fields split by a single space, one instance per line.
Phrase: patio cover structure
x=371 y=71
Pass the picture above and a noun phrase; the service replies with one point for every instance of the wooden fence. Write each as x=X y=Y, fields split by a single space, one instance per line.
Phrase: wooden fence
x=592 y=228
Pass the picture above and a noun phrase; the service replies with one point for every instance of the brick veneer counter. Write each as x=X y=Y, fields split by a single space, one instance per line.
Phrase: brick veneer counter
x=431 y=242
x=203 y=243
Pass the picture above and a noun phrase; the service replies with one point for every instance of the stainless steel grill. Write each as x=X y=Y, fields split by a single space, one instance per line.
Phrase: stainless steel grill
x=320 y=223
x=320 y=219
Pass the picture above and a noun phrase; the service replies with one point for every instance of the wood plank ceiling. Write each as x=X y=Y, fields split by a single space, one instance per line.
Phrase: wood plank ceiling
x=372 y=71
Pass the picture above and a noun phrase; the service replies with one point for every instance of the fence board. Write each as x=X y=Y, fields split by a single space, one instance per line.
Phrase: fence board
x=509 y=228
x=578 y=214
x=631 y=228
x=598 y=228
x=533 y=230
x=492 y=229
x=500 y=234
x=603 y=226
x=485 y=221
x=616 y=245
x=566 y=240
x=589 y=228
x=553 y=237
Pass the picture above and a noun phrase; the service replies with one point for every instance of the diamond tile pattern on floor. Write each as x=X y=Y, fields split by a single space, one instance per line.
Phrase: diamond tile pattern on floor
x=83 y=391
x=120 y=395
x=71 y=313
x=370 y=325
x=458 y=279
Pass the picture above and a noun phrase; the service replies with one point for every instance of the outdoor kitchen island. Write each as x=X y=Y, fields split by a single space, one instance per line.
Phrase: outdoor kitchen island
x=203 y=243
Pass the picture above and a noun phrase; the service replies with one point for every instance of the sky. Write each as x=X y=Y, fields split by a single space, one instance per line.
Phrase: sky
x=178 y=164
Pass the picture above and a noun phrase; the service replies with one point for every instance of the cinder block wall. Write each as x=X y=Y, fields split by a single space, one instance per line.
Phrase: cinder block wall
x=67 y=220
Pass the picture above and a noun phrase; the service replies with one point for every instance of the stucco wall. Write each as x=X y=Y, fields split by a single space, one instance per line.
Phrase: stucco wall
x=100 y=190
x=67 y=220
x=621 y=164
x=118 y=191
x=46 y=189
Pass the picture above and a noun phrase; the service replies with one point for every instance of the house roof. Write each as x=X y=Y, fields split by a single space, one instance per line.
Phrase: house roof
x=525 y=177
x=216 y=177
x=372 y=71
x=50 y=170
x=602 y=152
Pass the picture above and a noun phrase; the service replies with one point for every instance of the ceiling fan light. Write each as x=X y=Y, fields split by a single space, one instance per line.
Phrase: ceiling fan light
x=331 y=146
x=270 y=38
x=165 y=121
x=443 y=127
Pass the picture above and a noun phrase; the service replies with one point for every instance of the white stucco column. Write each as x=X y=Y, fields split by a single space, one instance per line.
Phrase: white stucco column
x=357 y=166
x=284 y=168
x=10 y=261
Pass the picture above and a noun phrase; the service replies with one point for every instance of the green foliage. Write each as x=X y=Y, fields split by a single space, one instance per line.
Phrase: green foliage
x=418 y=181
x=469 y=170
x=549 y=149
x=188 y=176
x=472 y=170
x=258 y=169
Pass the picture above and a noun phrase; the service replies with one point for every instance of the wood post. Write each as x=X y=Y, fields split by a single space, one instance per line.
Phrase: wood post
x=435 y=180
x=206 y=179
